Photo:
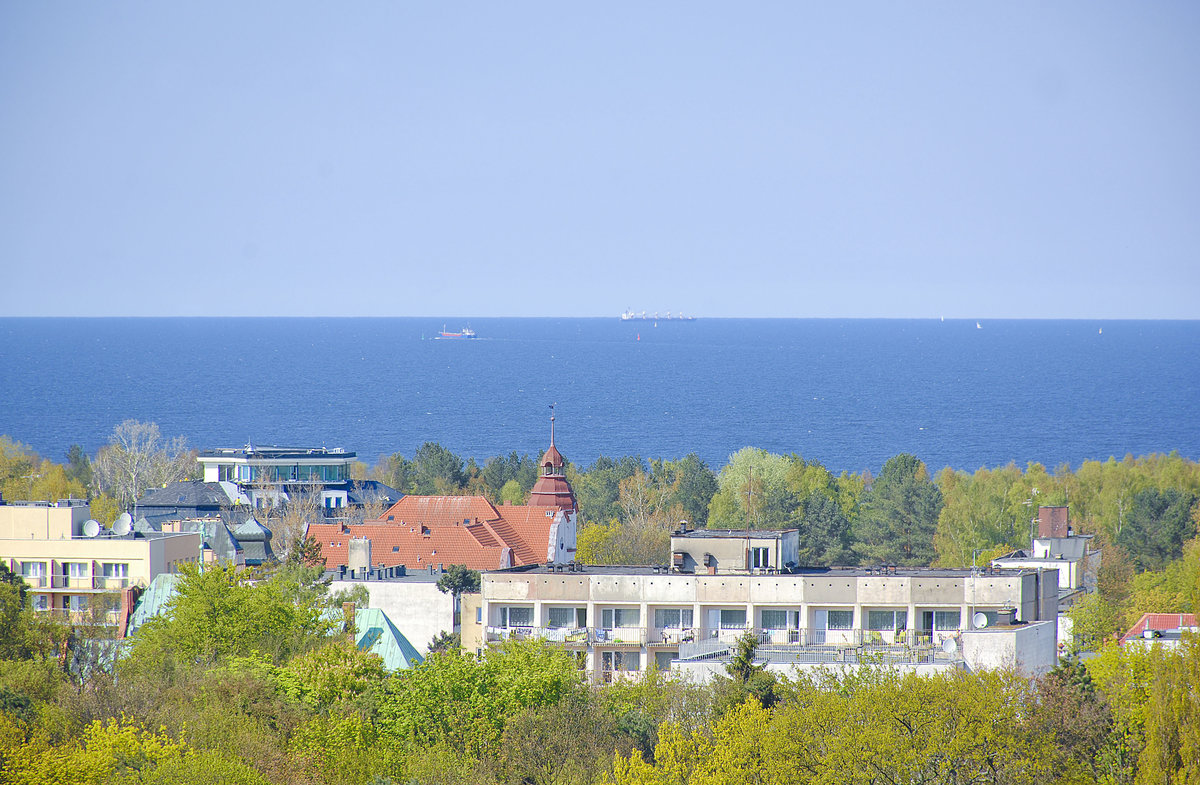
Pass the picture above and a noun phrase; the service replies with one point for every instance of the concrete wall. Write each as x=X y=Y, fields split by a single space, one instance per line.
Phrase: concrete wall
x=1031 y=649
x=417 y=608
x=42 y=523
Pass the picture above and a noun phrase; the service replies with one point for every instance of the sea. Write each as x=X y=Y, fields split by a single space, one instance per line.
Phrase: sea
x=849 y=393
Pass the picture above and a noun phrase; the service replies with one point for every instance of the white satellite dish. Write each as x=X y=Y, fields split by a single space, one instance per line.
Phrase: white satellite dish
x=91 y=527
x=979 y=620
x=123 y=524
x=949 y=646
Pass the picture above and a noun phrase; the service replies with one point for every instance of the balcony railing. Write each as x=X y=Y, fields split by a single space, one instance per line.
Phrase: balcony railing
x=796 y=645
x=71 y=582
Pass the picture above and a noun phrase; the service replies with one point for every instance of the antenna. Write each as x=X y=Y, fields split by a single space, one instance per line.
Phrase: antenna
x=123 y=524
x=949 y=645
x=979 y=620
x=91 y=527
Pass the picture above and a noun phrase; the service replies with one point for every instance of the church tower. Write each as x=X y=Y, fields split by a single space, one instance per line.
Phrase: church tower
x=552 y=489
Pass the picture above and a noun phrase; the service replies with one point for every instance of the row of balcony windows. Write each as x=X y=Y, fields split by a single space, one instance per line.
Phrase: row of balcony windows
x=666 y=637
x=879 y=620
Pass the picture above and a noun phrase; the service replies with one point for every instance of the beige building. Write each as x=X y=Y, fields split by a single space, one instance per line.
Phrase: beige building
x=67 y=571
x=629 y=618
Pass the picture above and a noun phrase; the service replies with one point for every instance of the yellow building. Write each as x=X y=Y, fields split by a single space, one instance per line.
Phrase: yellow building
x=68 y=571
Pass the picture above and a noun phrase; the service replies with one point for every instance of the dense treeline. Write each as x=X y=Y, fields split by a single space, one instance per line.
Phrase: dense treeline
x=250 y=679
x=1143 y=512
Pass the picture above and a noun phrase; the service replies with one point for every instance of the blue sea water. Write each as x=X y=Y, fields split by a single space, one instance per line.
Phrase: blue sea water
x=848 y=393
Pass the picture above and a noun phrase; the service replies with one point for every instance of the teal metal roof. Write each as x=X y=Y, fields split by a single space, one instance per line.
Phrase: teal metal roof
x=376 y=633
x=153 y=601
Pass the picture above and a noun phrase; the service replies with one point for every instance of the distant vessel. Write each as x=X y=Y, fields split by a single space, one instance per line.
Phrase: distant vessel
x=633 y=316
x=465 y=332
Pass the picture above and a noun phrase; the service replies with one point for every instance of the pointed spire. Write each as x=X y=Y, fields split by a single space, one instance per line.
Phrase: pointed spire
x=552 y=423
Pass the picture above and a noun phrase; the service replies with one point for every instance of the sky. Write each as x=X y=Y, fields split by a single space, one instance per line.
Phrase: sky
x=867 y=159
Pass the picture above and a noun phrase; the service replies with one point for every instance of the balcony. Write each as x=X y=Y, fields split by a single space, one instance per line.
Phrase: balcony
x=109 y=582
x=70 y=582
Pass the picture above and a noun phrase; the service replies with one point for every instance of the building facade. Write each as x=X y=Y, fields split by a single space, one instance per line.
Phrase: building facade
x=72 y=573
x=627 y=619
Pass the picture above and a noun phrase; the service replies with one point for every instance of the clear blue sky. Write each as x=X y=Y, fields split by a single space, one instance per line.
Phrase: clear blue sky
x=540 y=159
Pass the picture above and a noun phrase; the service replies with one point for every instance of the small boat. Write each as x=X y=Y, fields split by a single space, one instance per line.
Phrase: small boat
x=465 y=332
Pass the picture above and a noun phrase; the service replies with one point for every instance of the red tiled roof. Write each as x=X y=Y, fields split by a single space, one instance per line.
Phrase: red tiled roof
x=419 y=531
x=1159 y=621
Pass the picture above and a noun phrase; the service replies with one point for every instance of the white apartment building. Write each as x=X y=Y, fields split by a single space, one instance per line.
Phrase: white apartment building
x=628 y=618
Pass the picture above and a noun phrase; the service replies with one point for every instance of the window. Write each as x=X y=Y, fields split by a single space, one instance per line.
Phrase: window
x=673 y=618
x=116 y=570
x=947 y=620
x=479 y=615
x=662 y=659
x=760 y=557
x=621 y=661
x=75 y=603
x=516 y=617
x=33 y=569
x=77 y=569
x=567 y=618
x=611 y=618
x=841 y=620
x=887 y=620
x=41 y=602
x=733 y=618
x=775 y=620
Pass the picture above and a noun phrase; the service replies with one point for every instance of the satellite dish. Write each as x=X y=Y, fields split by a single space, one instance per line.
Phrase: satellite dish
x=949 y=646
x=123 y=524
x=91 y=527
x=979 y=620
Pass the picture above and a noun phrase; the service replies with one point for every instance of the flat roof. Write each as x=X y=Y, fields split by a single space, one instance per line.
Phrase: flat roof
x=798 y=572
x=271 y=452
x=740 y=534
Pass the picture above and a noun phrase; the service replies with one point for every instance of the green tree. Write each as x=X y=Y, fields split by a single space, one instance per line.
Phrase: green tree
x=437 y=471
x=458 y=579
x=598 y=488
x=825 y=535
x=691 y=485
x=1158 y=523
x=464 y=701
x=79 y=467
x=899 y=516
x=752 y=492
x=220 y=612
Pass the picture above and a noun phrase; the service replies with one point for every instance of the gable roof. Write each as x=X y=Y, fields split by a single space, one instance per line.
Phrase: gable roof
x=1162 y=622
x=420 y=531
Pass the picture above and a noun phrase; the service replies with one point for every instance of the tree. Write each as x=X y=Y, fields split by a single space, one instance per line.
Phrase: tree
x=79 y=468
x=457 y=580
x=1158 y=523
x=220 y=612
x=138 y=459
x=445 y=643
x=437 y=470
x=752 y=492
x=692 y=486
x=824 y=531
x=598 y=488
x=465 y=701
x=900 y=514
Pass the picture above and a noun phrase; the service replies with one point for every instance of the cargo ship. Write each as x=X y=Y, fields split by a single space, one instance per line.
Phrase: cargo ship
x=465 y=332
